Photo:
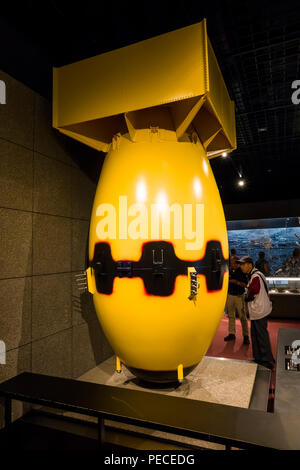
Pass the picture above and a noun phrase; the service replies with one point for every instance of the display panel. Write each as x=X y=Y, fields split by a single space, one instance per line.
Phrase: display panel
x=279 y=240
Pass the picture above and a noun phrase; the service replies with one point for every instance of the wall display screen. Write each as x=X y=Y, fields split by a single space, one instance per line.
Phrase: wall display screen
x=277 y=238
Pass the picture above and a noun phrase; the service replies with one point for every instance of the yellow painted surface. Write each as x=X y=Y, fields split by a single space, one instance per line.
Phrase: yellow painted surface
x=160 y=108
x=158 y=333
x=146 y=331
x=144 y=74
x=118 y=364
x=162 y=171
x=180 y=372
x=91 y=280
x=176 y=72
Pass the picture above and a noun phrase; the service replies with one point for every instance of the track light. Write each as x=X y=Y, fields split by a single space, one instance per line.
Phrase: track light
x=224 y=154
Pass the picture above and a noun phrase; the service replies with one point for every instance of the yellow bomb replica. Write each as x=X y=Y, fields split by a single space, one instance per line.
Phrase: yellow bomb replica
x=158 y=250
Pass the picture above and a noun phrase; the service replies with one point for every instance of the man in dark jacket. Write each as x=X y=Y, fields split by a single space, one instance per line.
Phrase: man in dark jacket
x=235 y=301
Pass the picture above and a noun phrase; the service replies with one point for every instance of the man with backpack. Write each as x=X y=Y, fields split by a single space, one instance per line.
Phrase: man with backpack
x=259 y=307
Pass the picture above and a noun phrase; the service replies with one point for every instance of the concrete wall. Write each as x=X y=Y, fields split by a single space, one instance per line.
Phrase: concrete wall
x=45 y=204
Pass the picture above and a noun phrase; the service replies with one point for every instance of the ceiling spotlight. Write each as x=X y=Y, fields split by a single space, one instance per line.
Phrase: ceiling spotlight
x=241 y=182
x=224 y=154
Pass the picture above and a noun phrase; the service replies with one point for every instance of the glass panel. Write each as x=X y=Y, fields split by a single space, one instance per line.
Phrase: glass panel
x=279 y=240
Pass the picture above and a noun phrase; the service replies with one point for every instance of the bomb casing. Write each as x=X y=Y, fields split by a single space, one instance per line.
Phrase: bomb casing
x=158 y=246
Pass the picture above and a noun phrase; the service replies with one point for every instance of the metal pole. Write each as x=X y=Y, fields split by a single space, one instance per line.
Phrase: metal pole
x=101 y=432
x=7 y=418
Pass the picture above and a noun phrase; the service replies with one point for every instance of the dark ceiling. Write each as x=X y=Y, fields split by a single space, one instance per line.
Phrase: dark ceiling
x=257 y=44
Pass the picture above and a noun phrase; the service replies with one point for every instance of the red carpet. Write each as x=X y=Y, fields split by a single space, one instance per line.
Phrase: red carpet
x=237 y=350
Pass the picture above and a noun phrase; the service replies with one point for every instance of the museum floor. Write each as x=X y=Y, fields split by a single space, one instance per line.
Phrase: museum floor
x=237 y=350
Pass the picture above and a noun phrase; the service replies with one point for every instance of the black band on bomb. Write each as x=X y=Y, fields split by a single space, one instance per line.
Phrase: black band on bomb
x=158 y=267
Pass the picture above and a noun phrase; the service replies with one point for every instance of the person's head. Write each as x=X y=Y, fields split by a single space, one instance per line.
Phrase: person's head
x=233 y=252
x=261 y=255
x=296 y=253
x=246 y=264
x=234 y=262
